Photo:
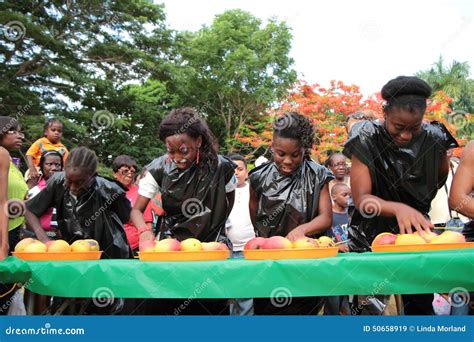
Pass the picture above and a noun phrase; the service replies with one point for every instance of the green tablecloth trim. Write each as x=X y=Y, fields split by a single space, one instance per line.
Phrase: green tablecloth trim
x=14 y=270
x=351 y=273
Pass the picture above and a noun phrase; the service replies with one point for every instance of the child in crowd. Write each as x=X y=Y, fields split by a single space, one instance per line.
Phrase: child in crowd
x=125 y=169
x=340 y=195
x=289 y=197
x=51 y=141
x=239 y=226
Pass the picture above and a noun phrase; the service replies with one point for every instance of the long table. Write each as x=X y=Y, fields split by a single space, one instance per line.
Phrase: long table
x=349 y=273
x=13 y=270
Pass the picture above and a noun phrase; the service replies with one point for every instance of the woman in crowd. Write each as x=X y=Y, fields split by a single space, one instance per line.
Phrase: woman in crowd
x=13 y=190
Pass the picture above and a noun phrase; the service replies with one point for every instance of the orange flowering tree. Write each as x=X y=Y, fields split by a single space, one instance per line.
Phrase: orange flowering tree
x=327 y=108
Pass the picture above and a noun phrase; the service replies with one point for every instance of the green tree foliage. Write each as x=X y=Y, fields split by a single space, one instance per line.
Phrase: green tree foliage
x=235 y=69
x=454 y=81
x=76 y=60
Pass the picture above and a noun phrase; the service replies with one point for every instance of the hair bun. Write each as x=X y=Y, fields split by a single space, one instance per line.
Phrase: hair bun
x=405 y=85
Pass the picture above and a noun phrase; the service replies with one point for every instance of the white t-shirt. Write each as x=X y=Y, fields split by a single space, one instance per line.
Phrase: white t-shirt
x=239 y=225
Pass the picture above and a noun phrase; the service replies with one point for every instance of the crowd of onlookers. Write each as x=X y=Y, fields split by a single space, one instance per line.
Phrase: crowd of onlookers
x=394 y=174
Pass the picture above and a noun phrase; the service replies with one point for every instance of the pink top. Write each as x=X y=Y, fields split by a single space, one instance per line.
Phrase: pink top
x=45 y=219
x=130 y=230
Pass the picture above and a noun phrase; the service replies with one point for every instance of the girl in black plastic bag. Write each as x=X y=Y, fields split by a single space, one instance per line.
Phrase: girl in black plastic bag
x=398 y=164
x=88 y=206
x=197 y=187
x=289 y=197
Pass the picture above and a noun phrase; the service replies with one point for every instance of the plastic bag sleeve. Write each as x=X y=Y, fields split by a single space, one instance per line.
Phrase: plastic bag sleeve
x=444 y=137
x=121 y=206
x=358 y=145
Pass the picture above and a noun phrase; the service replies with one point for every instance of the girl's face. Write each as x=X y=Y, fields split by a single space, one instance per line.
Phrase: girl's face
x=287 y=154
x=125 y=175
x=54 y=132
x=338 y=166
x=51 y=165
x=78 y=181
x=12 y=139
x=403 y=125
x=182 y=149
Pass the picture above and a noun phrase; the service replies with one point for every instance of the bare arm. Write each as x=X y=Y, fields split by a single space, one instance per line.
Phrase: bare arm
x=370 y=205
x=253 y=203
x=138 y=220
x=33 y=222
x=4 y=168
x=463 y=183
x=31 y=166
x=320 y=223
x=443 y=170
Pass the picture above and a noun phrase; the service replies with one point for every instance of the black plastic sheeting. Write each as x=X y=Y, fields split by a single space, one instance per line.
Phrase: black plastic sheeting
x=285 y=202
x=98 y=214
x=194 y=200
x=407 y=174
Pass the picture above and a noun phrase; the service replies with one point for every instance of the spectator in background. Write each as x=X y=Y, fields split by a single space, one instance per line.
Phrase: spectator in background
x=125 y=169
x=440 y=214
x=337 y=163
x=239 y=227
x=462 y=201
x=340 y=194
x=357 y=117
x=50 y=141
x=460 y=196
x=12 y=194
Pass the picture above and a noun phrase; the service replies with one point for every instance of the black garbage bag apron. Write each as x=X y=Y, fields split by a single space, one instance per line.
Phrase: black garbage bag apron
x=406 y=174
x=194 y=200
x=285 y=202
x=99 y=213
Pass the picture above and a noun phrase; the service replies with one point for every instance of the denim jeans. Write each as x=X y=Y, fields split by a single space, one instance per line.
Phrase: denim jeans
x=242 y=306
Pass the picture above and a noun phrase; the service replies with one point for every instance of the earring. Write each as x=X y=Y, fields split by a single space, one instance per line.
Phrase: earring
x=198 y=155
